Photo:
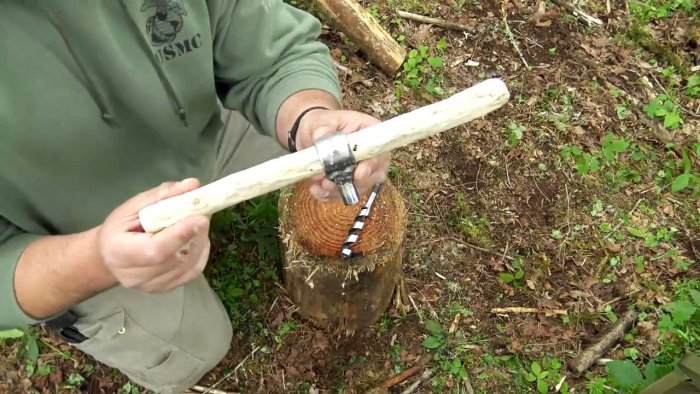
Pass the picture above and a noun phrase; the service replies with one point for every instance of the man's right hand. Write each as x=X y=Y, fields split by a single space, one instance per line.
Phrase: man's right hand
x=153 y=262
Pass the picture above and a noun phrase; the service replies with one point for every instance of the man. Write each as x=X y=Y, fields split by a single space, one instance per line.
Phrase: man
x=109 y=106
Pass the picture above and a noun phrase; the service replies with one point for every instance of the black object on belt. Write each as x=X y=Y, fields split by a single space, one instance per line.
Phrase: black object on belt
x=63 y=327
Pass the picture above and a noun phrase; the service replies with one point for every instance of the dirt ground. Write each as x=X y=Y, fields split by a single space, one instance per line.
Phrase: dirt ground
x=497 y=196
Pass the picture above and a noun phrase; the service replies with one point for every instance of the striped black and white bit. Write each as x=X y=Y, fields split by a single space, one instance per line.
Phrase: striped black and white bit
x=359 y=224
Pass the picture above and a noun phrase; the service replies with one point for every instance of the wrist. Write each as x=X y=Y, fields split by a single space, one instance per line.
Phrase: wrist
x=293 y=134
x=292 y=108
x=94 y=264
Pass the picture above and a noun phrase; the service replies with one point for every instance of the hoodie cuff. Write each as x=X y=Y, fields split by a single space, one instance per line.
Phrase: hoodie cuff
x=289 y=86
x=11 y=314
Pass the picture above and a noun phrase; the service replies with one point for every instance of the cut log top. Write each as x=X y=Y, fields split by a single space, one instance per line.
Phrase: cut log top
x=322 y=228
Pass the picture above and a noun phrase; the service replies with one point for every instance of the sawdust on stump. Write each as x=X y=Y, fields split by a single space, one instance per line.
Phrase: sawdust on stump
x=342 y=294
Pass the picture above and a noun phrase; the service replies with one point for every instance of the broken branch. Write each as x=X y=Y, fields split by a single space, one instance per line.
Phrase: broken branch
x=510 y=37
x=433 y=21
x=202 y=389
x=582 y=15
x=522 y=309
x=396 y=379
x=425 y=376
x=595 y=351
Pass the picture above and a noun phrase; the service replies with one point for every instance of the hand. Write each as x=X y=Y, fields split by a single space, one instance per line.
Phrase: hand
x=318 y=123
x=154 y=262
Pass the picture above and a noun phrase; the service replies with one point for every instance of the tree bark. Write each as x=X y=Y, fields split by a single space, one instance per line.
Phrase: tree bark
x=593 y=352
x=335 y=294
x=366 y=32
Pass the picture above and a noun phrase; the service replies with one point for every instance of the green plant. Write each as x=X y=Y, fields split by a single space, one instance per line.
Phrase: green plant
x=647 y=10
x=436 y=336
x=613 y=146
x=11 y=334
x=663 y=107
x=247 y=253
x=515 y=279
x=692 y=88
x=537 y=375
x=423 y=68
x=679 y=326
x=515 y=133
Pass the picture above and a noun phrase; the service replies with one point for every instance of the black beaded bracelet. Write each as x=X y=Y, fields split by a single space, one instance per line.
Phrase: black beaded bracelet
x=292 y=134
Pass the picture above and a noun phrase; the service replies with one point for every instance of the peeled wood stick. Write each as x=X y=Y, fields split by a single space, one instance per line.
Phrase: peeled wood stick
x=433 y=21
x=592 y=353
x=372 y=141
x=522 y=309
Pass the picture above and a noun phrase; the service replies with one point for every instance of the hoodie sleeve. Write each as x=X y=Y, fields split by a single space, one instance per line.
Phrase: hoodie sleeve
x=13 y=241
x=265 y=51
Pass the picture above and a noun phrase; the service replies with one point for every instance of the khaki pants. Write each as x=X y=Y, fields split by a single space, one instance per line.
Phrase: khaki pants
x=167 y=342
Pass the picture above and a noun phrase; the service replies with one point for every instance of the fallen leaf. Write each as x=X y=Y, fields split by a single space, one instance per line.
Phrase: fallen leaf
x=320 y=341
x=278 y=320
x=291 y=371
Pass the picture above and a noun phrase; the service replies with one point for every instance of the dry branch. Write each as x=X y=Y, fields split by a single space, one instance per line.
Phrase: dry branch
x=511 y=37
x=434 y=21
x=365 y=31
x=582 y=15
x=202 y=389
x=595 y=351
x=425 y=376
x=521 y=309
x=403 y=376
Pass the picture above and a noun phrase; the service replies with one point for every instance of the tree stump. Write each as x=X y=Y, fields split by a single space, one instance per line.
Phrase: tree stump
x=336 y=294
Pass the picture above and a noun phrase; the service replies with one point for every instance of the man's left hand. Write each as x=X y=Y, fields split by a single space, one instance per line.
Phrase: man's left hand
x=319 y=123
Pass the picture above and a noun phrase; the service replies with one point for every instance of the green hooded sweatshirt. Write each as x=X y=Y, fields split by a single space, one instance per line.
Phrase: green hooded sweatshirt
x=103 y=99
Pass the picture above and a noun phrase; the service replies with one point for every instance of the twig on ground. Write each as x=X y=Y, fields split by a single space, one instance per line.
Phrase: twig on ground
x=510 y=37
x=582 y=15
x=202 y=389
x=434 y=21
x=435 y=315
x=595 y=351
x=568 y=207
x=455 y=323
x=479 y=248
x=348 y=72
x=228 y=375
x=342 y=68
x=425 y=376
x=522 y=309
x=403 y=376
x=616 y=299
x=617 y=226
x=561 y=382
x=468 y=385
x=420 y=316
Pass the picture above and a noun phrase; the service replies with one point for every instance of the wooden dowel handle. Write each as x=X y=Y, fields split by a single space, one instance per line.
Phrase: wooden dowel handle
x=272 y=175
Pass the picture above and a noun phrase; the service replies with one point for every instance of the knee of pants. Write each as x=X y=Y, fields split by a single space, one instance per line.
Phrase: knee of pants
x=165 y=343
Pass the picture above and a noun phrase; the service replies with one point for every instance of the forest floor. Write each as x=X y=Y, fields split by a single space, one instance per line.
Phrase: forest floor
x=581 y=194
